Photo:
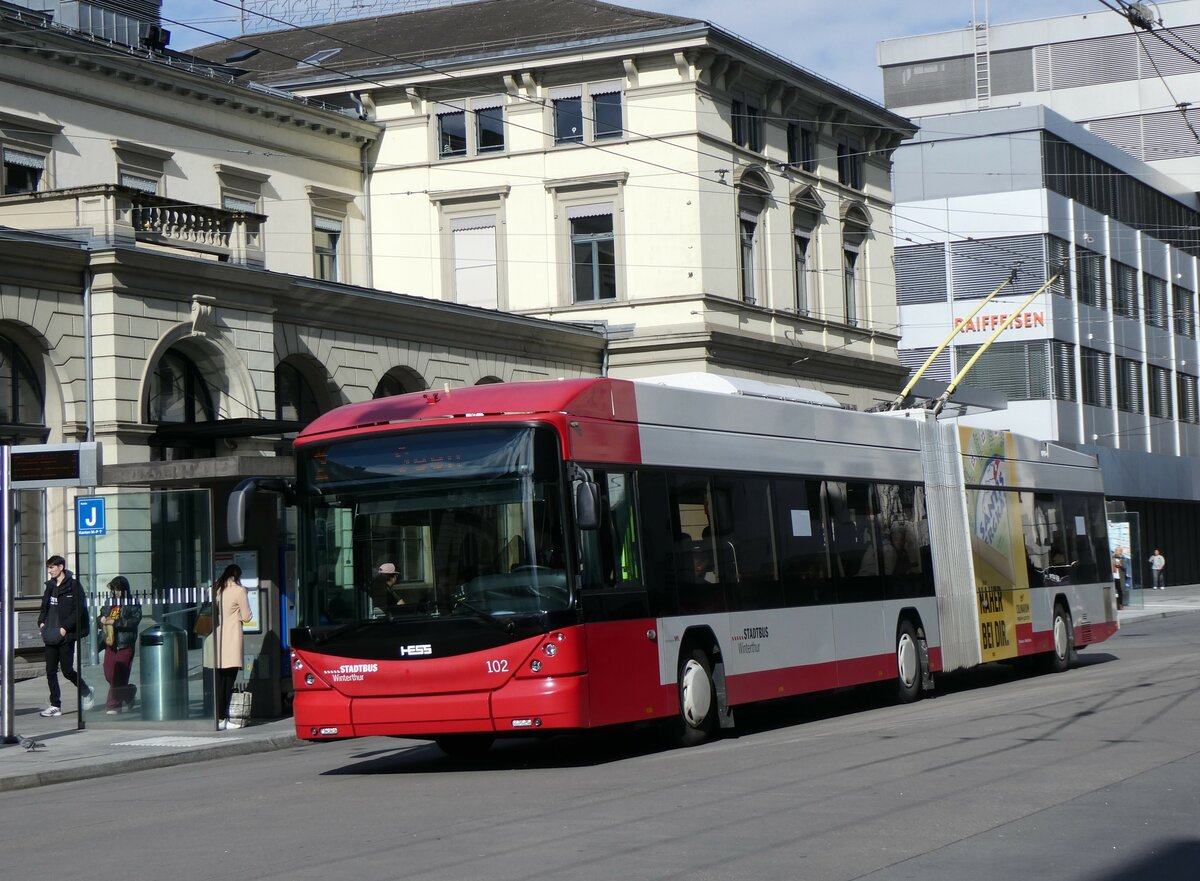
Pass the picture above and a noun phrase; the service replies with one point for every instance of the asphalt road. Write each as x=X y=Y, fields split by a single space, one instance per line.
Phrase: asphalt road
x=1092 y=774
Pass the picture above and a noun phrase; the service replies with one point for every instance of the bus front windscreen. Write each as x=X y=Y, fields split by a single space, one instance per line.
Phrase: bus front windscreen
x=432 y=523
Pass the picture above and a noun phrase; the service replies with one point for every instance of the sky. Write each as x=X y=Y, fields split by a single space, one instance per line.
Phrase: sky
x=835 y=40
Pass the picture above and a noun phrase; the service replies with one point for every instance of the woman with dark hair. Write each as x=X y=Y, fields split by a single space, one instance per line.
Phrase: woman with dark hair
x=119 y=621
x=233 y=608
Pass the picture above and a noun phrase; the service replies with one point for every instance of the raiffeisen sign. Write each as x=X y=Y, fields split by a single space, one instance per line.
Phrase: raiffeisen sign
x=991 y=322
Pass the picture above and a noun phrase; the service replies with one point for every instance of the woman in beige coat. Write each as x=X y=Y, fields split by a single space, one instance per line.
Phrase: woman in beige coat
x=233 y=608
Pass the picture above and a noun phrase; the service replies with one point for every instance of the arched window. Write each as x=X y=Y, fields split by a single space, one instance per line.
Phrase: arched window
x=179 y=395
x=807 y=209
x=489 y=380
x=399 y=381
x=753 y=190
x=22 y=405
x=294 y=397
x=856 y=226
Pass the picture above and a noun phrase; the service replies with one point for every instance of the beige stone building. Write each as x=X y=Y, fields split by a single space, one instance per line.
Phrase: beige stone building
x=717 y=207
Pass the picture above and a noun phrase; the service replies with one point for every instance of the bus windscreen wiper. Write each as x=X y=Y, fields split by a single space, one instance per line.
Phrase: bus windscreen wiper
x=507 y=627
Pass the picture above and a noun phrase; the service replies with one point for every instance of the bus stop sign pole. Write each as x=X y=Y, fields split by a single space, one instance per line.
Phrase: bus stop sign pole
x=7 y=593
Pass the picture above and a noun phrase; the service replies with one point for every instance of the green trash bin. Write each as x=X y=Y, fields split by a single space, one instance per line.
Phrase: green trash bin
x=163 y=662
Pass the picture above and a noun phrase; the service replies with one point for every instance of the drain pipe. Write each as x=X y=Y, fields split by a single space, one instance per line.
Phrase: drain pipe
x=89 y=403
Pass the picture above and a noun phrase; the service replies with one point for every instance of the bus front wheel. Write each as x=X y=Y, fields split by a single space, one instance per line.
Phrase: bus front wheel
x=908 y=663
x=697 y=699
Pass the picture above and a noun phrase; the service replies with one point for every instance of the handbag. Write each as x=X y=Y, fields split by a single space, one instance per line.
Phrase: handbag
x=239 y=706
x=110 y=631
x=204 y=621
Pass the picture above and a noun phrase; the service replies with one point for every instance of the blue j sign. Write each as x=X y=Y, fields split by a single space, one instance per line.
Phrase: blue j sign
x=89 y=517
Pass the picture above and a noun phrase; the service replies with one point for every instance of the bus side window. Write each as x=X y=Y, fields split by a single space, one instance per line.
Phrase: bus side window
x=657 y=542
x=745 y=542
x=802 y=547
x=1079 y=546
x=611 y=553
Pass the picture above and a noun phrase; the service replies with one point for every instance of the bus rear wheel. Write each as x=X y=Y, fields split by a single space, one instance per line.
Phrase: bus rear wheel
x=1059 y=659
x=908 y=663
x=464 y=746
x=697 y=699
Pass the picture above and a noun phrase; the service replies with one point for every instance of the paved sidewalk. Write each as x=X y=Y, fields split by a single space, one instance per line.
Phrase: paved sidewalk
x=63 y=753
x=56 y=751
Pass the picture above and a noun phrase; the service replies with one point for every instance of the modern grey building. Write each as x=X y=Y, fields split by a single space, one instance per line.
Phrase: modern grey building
x=1121 y=83
x=1106 y=359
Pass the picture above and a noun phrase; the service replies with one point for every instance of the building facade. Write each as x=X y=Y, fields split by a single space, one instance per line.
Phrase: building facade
x=1123 y=84
x=184 y=279
x=716 y=207
x=1106 y=359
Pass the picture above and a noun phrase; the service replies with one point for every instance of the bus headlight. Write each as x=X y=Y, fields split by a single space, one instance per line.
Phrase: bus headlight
x=535 y=665
x=550 y=649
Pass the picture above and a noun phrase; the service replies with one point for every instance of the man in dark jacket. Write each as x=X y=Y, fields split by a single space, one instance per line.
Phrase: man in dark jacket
x=63 y=604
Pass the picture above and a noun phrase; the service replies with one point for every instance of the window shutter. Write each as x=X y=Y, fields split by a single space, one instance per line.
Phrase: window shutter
x=24 y=160
x=1063 y=366
x=921 y=274
x=1021 y=371
x=475 y=265
x=1189 y=406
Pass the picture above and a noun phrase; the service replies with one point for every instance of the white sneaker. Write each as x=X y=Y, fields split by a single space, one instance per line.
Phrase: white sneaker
x=222 y=725
x=51 y=711
x=89 y=699
x=232 y=724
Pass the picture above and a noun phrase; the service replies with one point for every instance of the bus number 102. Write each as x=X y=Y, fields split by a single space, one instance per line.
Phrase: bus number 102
x=497 y=666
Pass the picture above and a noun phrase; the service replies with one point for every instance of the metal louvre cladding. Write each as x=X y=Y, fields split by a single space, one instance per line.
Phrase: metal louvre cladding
x=921 y=274
x=1092 y=62
x=914 y=358
x=1020 y=371
x=1012 y=72
x=980 y=265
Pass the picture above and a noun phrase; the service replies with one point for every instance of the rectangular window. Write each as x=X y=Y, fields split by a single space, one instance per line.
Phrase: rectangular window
x=850 y=285
x=1125 y=294
x=327 y=235
x=470 y=127
x=1094 y=379
x=1058 y=263
x=475 y=267
x=801 y=147
x=803 y=552
x=1063 y=367
x=489 y=129
x=1189 y=399
x=1021 y=371
x=744 y=552
x=1160 y=393
x=1090 y=270
x=593 y=252
x=1156 y=301
x=747 y=123
x=850 y=165
x=606 y=111
x=22 y=171
x=568 y=117
x=452 y=129
x=1129 y=386
x=748 y=241
x=801 y=244
x=1185 y=313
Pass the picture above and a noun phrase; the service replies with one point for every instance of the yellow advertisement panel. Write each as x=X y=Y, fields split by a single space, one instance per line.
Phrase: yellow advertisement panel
x=997 y=541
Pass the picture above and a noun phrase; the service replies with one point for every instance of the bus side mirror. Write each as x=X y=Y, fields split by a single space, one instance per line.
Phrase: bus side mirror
x=587 y=504
x=241 y=498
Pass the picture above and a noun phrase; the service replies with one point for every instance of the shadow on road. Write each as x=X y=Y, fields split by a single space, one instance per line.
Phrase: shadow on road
x=601 y=746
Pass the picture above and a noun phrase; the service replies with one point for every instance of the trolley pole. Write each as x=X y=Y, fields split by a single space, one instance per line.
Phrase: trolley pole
x=900 y=398
x=945 y=396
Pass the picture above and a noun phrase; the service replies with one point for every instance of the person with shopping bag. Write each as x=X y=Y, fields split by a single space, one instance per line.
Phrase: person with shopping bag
x=232 y=605
x=119 y=621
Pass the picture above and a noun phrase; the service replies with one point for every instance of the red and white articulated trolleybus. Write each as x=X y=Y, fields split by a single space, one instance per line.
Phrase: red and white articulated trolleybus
x=564 y=555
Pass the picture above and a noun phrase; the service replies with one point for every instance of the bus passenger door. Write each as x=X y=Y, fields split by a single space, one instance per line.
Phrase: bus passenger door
x=622 y=645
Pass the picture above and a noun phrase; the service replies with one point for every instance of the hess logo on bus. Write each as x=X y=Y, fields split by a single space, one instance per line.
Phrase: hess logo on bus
x=414 y=651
